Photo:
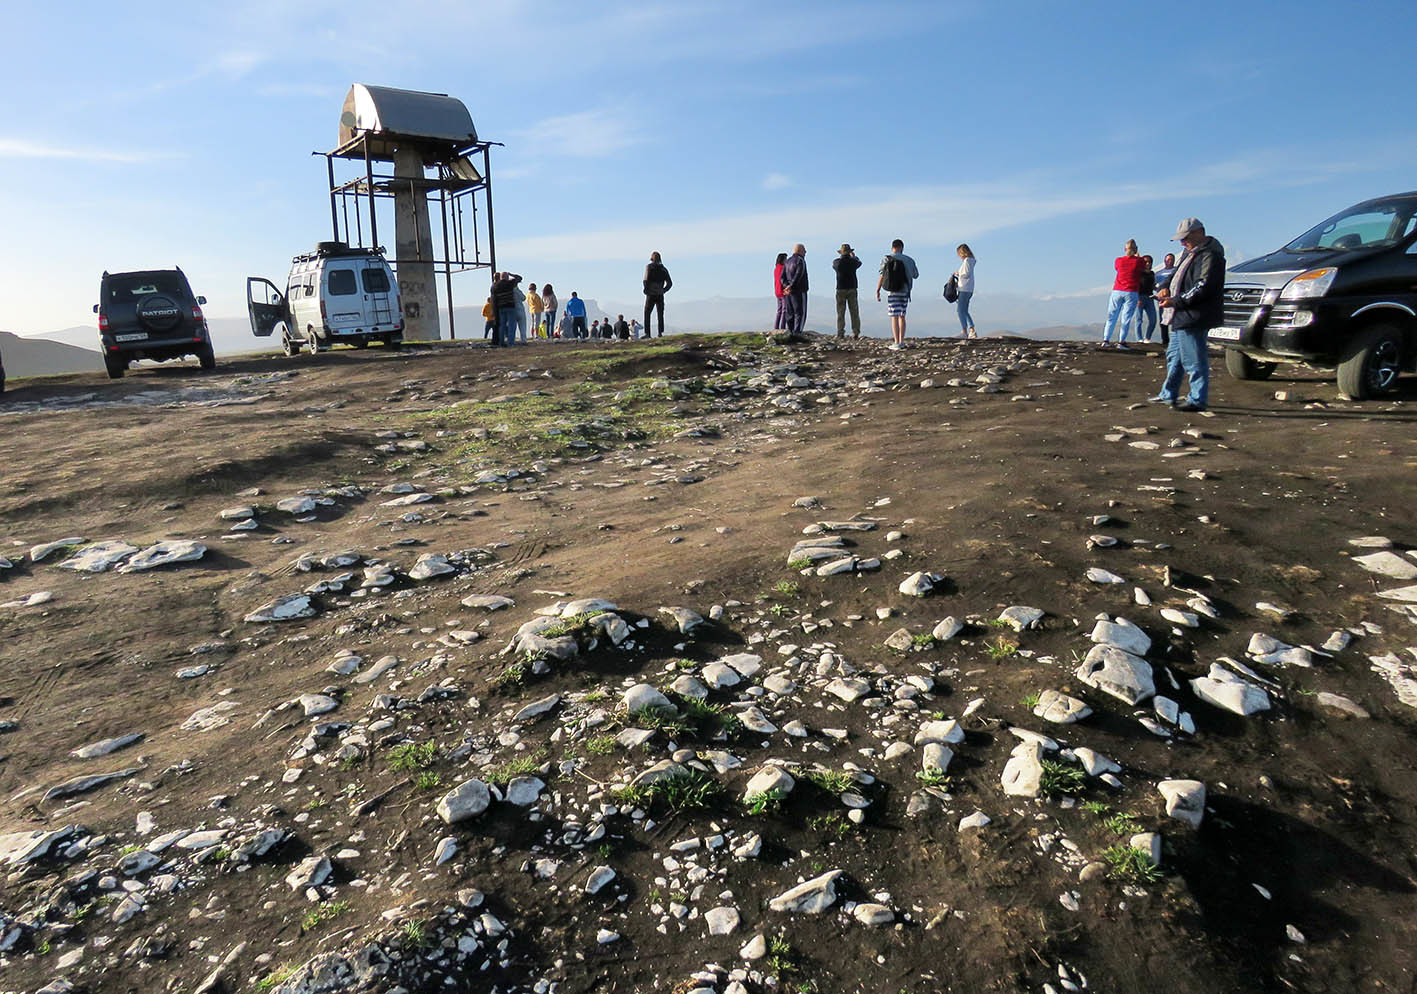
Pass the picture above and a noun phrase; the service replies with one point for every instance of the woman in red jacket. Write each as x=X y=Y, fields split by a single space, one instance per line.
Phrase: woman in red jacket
x=781 y=320
x=1122 y=305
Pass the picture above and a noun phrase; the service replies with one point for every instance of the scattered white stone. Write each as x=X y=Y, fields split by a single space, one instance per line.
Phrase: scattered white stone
x=1020 y=617
x=1388 y=564
x=642 y=695
x=917 y=584
x=1117 y=672
x=873 y=914
x=488 y=602
x=769 y=779
x=722 y=921
x=1023 y=773
x=1060 y=708
x=1226 y=690
x=468 y=800
x=99 y=557
x=163 y=554
x=1185 y=800
x=811 y=897
x=287 y=608
x=1122 y=634
x=977 y=820
x=947 y=629
x=1098 y=575
x=598 y=878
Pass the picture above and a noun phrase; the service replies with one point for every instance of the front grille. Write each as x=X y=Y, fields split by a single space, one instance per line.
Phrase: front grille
x=1240 y=303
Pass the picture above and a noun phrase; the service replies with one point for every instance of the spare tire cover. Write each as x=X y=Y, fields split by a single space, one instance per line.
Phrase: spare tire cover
x=159 y=312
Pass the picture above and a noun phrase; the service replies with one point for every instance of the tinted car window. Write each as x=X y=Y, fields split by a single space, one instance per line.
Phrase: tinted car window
x=376 y=281
x=342 y=282
x=1355 y=228
x=133 y=288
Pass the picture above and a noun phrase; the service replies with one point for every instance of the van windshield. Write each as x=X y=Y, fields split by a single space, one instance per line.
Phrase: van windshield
x=1365 y=226
x=376 y=281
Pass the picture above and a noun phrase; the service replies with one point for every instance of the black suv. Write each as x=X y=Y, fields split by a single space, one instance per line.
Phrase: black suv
x=150 y=315
x=1342 y=295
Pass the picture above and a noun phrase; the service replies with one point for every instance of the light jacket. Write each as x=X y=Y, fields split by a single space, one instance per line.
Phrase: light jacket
x=534 y=301
x=912 y=272
x=965 y=272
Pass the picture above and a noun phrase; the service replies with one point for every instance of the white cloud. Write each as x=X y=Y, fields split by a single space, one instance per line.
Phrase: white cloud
x=587 y=134
x=26 y=148
x=776 y=181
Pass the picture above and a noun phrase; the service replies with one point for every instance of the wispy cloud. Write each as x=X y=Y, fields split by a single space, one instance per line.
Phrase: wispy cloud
x=776 y=181
x=587 y=134
x=27 y=148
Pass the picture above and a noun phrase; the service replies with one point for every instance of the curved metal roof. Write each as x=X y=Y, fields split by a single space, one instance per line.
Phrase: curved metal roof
x=409 y=113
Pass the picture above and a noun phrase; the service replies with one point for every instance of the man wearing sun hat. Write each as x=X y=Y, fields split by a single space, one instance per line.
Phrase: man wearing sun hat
x=1193 y=302
x=846 y=265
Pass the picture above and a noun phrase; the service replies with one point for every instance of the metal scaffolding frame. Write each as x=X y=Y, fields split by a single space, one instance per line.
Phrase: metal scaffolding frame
x=455 y=187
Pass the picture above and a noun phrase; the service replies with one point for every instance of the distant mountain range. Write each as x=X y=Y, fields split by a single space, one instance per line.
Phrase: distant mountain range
x=930 y=315
x=42 y=357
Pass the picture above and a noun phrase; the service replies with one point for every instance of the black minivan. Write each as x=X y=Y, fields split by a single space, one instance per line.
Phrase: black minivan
x=150 y=314
x=1343 y=296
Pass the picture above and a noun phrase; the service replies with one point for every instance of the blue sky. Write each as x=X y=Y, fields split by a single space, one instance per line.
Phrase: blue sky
x=144 y=135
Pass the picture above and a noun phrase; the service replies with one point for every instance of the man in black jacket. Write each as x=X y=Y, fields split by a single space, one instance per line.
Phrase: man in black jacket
x=657 y=284
x=1193 y=302
x=846 y=265
x=794 y=287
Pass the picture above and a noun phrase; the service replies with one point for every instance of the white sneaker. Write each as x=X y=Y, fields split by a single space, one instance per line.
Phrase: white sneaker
x=892 y=347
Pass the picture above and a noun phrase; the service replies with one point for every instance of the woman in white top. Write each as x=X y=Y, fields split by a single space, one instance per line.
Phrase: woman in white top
x=965 y=276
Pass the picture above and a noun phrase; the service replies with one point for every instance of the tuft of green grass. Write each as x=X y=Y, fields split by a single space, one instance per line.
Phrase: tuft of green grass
x=427 y=780
x=692 y=790
x=1132 y=866
x=414 y=933
x=1030 y=701
x=764 y=802
x=997 y=623
x=322 y=914
x=276 y=977
x=1095 y=808
x=709 y=720
x=513 y=676
x=933 y=777
x=799 y=564
x=42 y=948
x=600 y=745
x=1001 y=648
x=521 y=766
x=568 y=626
x=832 y=781
x=595 y=697
x=1122 y=823
x=781 y=958
x=830 y=824
x=786 y=588
x=780 y=611
x=657 y=719
x=412 y=756
x=923 y=641
x=1059 y=779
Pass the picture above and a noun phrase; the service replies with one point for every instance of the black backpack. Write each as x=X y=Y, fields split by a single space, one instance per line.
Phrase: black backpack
x=952 y=289
x=897 y=279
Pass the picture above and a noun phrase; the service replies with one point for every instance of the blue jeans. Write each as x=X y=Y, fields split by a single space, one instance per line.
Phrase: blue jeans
x=549 y=316
x=962 y=306
x=507 y=326
x=1146 y=316
x=1188 y=353
x=1121 y=305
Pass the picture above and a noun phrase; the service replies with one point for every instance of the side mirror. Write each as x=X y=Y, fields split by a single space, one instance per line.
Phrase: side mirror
x=202 y=301
x=95 y=308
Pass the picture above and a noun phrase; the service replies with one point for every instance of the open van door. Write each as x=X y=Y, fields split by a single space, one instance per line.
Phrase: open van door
x=266 y=305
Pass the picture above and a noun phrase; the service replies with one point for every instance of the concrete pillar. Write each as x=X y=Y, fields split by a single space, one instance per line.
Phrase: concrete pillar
x=413 y=240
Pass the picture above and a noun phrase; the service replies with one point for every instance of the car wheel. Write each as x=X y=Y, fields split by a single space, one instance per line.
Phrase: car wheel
x=1242 y=367
x=312 y=344
x=1371 y=363
x=207 y=358
x=115 y=368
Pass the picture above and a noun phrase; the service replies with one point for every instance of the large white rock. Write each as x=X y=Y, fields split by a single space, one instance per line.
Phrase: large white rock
x=296 y=505
x=1388 y=564
x=721 y=921
x=523 y=791
x=41 y=552
x=429 y=565
x=287 y=608
x=1023 y=773
x=1185 y=800
x=811 y=897
x=849 y=689
x=720 y=677
x=598 y=878
x=768 y=779
x=946 y=732
x=1098 y=575
x=488 y=602
x=642 y=695
x=934 y=757
x=917 y=584
x=100 y=557
x=1122 y=634
x=947 y=629
x=1020 y=617
x=745 y=663
x=467 y=800
x=1226 y=690
x=1059 y=708
x=1094 y=762
x=162 y=554
x=873 y=914
x=684 y=619
x=1117 y=672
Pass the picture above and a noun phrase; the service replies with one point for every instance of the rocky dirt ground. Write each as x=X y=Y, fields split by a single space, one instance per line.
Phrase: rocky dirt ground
x=706 y=665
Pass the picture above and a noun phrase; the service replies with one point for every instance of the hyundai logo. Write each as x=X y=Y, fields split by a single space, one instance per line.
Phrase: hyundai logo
x=1236 y=295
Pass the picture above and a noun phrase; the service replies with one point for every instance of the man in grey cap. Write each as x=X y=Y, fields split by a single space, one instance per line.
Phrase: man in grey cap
x=846 y=265
x=1192 y=303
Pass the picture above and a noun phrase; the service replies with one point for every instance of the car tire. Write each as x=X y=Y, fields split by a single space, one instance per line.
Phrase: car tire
x=287 y=345
x=115 y=368
x=1242 y=367
x=312 y=344
x=1372 y=363
x=207 y=358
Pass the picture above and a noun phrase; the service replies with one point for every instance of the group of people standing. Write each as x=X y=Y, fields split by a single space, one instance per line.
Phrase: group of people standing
x=896 y=276
x=1190 y=295
x=1133 y=297
x=510 y=311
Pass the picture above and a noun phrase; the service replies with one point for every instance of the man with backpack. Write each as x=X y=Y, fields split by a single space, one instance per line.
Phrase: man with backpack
x=898 y=276
x=657 y=284
x=794 y=288
x=846 y=265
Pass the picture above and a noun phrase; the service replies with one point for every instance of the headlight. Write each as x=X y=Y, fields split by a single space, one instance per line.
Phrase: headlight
x=1314 y=283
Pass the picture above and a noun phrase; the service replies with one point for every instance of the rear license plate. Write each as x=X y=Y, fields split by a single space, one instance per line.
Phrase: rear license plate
x=1225 y=334
x=131 y=338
